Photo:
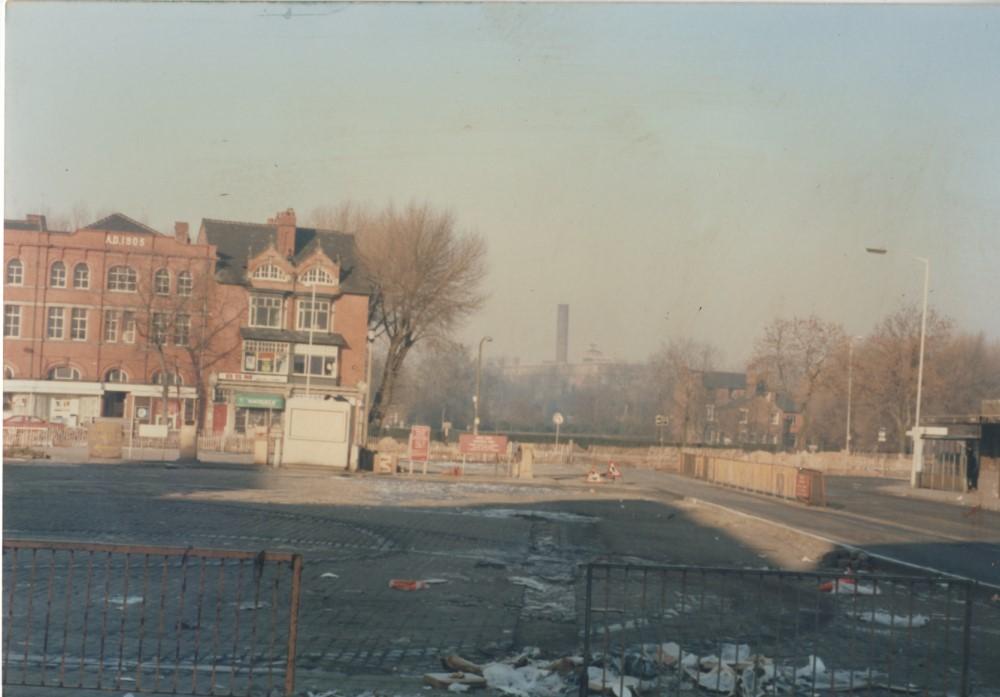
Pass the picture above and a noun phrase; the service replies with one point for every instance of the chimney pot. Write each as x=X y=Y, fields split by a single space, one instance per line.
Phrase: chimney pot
x=181 y=232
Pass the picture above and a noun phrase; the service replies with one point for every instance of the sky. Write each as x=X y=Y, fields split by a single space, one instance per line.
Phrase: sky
x=669 y=171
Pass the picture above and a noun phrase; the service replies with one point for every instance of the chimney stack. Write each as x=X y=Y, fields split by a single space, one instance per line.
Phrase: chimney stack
x=181 y=232
x=562 y=334
x=38 y=221
x=285 y=222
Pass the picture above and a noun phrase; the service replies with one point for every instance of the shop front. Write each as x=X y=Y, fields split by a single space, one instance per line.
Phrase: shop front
x=256 y=410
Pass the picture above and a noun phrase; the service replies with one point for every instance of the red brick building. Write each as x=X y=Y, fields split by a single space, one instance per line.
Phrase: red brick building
x=76 y=307
x=305 y=328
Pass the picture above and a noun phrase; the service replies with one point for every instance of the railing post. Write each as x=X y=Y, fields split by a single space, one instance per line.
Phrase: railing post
x=293 y=624
x=963 y=688
x=585 y=669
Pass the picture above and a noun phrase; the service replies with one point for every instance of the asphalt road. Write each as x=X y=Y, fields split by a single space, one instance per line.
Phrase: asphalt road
x=941 y=536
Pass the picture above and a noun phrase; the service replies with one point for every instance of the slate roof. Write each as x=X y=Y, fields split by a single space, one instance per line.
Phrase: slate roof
x=715 y=380
x=292 y=337
x=236 y=242
x=116 y=222
x=22 y=225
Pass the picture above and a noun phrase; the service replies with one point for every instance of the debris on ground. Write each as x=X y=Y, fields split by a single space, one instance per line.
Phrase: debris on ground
x=848 y=585
x=329 y=574
x=890 y=620
x=405 y=584
x=446 y=680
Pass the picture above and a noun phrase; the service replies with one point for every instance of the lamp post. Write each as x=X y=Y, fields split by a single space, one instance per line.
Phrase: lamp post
x=850 y=376
x=479 y=372
x=918 y=440
x=368 y=386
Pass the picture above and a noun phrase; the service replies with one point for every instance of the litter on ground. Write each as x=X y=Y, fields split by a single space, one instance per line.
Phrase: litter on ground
x=890 y=620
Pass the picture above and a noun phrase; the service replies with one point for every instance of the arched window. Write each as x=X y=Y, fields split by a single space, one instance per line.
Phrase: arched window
x=161 y=282
x=15 y=272
x=116 y=375
x=269 y=272
x=57 y=275
x=64 y=372
x=167 y=378
x=81 y=276
x=121 y=279
x=318 y=276
x=184 y=283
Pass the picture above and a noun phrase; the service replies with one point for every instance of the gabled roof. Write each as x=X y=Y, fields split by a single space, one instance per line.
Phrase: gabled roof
x=715 y=380
x=236 y=242
x=116 y=222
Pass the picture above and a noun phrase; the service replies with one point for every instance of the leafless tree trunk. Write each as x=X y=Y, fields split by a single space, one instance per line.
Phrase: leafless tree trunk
x=426 y=278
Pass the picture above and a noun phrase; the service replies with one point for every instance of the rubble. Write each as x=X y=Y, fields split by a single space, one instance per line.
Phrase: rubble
x=890 y=620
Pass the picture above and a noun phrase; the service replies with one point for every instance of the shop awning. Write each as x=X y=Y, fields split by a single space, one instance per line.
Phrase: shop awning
x=260 y=400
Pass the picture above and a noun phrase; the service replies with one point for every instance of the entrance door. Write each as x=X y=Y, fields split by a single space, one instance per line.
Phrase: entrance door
x=113 y=404
x=218 y=418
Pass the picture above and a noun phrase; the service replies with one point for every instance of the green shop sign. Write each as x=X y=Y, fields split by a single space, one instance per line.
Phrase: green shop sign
x=260 y=401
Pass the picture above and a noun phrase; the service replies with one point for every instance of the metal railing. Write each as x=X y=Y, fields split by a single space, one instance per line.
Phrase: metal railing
x=149 y=619
x=765 y=632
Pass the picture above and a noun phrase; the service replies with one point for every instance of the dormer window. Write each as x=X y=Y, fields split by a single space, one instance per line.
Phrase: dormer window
x=318 y=276
x=269 y=272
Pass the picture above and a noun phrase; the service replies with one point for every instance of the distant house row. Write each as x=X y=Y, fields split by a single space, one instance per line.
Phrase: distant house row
x=97 y=320
x=741 y=410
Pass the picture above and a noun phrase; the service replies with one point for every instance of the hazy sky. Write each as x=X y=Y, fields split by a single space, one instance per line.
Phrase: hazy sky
x=666 y=170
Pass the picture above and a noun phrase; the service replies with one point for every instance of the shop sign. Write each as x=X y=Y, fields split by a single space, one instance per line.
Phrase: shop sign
x=420 y=443
x=125 y=240
x=260 y=401
x=469 y=444
x=252 y=377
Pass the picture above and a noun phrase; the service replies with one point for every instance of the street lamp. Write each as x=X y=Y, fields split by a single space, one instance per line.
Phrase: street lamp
x=479 y=372
x=918 y=440
x=850 y=376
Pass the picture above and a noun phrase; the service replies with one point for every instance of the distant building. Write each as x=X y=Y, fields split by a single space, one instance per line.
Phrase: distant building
x=306 y=324
x=72 y=350
x=729 y=408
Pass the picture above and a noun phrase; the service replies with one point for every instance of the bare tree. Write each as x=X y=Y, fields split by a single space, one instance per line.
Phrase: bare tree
x=426 y=278
x=885 y=369
x=794 y=356
x=677 y=369
x=189 y=327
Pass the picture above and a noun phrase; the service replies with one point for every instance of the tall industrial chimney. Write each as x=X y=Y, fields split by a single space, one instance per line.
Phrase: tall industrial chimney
x=562 y=334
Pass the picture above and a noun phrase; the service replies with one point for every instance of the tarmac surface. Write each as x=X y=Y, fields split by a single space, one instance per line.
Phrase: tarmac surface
x=507 y=553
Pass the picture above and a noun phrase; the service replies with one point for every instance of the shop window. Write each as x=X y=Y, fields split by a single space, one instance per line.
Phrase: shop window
x=314 y=315
x=55 y=323
x=11 y=320
x=111 y=326
x=317 y=361
x=269 y=272
x=158 y=328
x=57 y=275
x=122 y=279
x=15 y=272
x=317 y=276
x=128 y=327
x=161 y=282
x=185 y=283
x=78 y=324
x=81 y=276
x=182 y=330
x=265 y=311
x=63 y=372
x=166 y=378
x=265 y=357
x=116 y=375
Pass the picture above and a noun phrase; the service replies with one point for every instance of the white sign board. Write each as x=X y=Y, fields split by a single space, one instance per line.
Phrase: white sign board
x=152 y=430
